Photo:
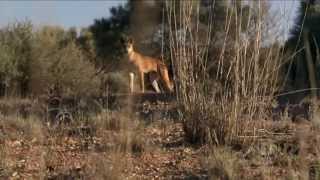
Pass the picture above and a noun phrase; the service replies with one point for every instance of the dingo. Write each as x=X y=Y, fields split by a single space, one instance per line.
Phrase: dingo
x=146 y=64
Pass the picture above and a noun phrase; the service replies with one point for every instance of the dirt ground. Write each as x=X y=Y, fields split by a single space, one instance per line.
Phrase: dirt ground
x=66 y=156
x=155 y=149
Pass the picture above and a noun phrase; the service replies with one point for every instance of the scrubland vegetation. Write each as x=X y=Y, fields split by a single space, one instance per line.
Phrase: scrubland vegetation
x=244 y=108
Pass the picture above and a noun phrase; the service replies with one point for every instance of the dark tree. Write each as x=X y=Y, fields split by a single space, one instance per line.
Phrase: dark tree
x=107 y=34
x=303 y=69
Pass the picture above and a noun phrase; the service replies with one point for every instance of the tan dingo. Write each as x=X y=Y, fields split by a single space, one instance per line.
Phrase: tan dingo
x=146 y=64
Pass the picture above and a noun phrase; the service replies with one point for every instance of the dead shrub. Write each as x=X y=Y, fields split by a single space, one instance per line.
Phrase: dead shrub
x=109 y=166
x=223 y=164
x=17 y=127
x=115 y=82
x=245 y=71
x=127 y=132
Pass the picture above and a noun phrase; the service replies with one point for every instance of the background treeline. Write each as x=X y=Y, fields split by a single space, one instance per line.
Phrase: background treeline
x=302 y=50
x=35 y=59
x=32 y=60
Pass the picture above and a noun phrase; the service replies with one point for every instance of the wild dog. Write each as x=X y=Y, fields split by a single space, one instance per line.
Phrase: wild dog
x=146 y=64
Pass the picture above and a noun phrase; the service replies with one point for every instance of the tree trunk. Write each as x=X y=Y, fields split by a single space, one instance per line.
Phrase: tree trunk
x=310 y=65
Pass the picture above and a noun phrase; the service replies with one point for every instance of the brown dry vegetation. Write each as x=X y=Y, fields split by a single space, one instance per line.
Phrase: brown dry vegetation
x=224 y=125
x=114 y=145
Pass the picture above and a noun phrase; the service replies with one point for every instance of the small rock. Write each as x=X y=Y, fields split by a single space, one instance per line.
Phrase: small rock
x=187 y=150
x=17 y=143
x=34 y=140
x=78 y=167
x=15 y=174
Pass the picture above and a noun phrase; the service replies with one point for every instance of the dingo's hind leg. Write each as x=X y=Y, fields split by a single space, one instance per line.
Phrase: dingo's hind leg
x=142 y=81
x=165 y=77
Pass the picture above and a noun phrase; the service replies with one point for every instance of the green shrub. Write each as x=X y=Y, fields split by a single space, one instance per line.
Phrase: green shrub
x=33 y=60
x=16 y=42
x=60 y=61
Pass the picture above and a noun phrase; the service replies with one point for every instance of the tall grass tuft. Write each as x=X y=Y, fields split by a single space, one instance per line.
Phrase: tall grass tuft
x=222 y=95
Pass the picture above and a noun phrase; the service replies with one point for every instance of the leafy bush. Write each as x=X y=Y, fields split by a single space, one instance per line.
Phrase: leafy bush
x=31 y=61
x=16 y=41
x=60 y=61
x=115 y=82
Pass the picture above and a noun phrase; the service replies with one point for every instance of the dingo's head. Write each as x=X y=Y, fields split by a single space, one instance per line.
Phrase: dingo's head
x=129 y=45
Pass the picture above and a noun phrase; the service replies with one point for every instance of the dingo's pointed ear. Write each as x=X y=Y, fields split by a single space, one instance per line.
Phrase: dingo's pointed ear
x=130 y=40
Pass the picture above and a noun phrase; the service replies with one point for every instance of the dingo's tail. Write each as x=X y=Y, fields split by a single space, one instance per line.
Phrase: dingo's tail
x=163 y=71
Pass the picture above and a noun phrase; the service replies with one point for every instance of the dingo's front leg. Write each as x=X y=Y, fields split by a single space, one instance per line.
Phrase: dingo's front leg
x=131 y=81
x=154 y=77
x=142 y=80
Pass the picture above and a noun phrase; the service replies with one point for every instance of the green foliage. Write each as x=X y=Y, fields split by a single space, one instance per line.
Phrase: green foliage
x=308 y=17
x=306 y=27
x=15 y=54
x=116 y=82
x=31 y=61
x=107 y=34
x=58 y=60
x=87 y=44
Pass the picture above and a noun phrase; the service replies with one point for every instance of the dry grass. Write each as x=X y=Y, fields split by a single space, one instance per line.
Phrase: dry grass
x=220 y=107
x=129 y=137
x=290 y=153
x=3 y=166
x=102 y=167
x=114 y=145
x=103 y=141
x=224 y=101
x=223 y=164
